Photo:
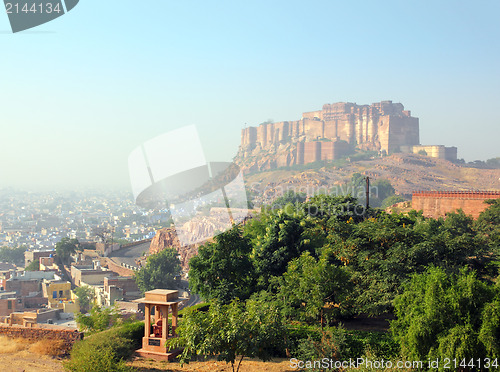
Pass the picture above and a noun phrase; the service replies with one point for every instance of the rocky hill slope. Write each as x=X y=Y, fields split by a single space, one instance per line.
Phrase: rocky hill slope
x=406 y=172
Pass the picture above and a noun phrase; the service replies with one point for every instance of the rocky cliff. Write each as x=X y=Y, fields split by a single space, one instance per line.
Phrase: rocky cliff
x=167 y=238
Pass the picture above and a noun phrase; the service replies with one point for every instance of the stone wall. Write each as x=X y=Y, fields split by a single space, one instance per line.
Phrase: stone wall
x=36 y=334
x=437 y=203
x=120 y=270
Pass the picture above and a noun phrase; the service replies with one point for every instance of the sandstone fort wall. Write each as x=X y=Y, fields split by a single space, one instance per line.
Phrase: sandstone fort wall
x=437 y=203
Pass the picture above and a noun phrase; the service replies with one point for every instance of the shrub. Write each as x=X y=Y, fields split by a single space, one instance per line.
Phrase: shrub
x=99 y=319
x=304 y=342
x=52 y=348
x=8 y=345
x=106 y=351
x=380 y=344
x=92 y=356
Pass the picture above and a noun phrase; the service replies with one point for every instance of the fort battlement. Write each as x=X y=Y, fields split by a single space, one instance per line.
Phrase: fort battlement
x=331 y=132
x=438 y=203
x=380 y=126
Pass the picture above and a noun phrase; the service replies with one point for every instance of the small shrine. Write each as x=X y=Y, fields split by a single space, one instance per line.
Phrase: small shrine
x=161 y=302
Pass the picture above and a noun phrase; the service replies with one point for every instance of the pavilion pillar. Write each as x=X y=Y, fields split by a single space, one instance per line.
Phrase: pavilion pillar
x=147 y=320
x=157 y=314
x=174 y=318
x=164 y=322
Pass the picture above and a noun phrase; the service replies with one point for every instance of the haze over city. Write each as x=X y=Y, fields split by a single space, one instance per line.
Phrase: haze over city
x=81 y=92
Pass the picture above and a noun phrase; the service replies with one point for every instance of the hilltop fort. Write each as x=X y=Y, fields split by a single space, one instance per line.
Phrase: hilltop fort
x=333 y=132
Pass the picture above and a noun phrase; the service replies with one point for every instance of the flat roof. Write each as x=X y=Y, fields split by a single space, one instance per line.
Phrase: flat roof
x=144 y=301
x=162 y=291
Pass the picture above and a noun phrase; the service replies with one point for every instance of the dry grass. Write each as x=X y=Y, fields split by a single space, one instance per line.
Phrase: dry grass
x=8 y=346
x=24 y=355
x=53 y=348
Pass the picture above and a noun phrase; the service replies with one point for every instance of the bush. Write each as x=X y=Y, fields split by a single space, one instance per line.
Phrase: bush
x=297 y=334
x=106 y=351
x=53 y=348
x=91 y=356
x=99 y=319
x=380 y=344
x=305 y=341
x=332 y=345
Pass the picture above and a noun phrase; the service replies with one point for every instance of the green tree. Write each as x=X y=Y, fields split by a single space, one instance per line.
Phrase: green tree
x=284 y=239
x=12 y=255
x=97 y=320
x=493 y=162
x=442 y=315
x=231 y=331
x=383 y=190
x=65 y=248
x=159 y=271
x=489 y=334
x=85 y=295
x=334 y=208
x=33 y=266
x=488 y=224
x=309 y=285
x=289 y=197
x=381 y=252
x=223 y=270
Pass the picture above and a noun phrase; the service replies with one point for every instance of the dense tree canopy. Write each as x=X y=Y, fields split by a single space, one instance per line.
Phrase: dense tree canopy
x=222 y=270
x=159 y=271
x=323 y=260
x=447 y=315
x=33 y=266
x=329 y=256
x=230 y=332
x=309 y=284
x=488 y=224
x=12 y=255
x=67 y=247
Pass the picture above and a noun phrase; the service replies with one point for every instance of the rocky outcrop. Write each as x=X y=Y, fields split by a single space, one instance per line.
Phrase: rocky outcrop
x=167 y=238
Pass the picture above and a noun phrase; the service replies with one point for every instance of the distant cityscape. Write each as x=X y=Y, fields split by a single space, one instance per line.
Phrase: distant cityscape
x=39 y=220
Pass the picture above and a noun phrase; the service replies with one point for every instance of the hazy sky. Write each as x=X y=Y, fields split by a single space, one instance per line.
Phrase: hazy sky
x=80 y=93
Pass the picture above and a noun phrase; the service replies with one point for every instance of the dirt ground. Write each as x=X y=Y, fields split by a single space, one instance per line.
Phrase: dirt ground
x=248 y=365
x=24 y=360
x=21 y=356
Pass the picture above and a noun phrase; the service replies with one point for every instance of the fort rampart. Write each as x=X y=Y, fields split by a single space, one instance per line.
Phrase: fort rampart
x=438 y=203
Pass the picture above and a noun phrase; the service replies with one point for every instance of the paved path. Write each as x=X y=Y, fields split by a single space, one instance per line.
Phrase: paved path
x=129 y=254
